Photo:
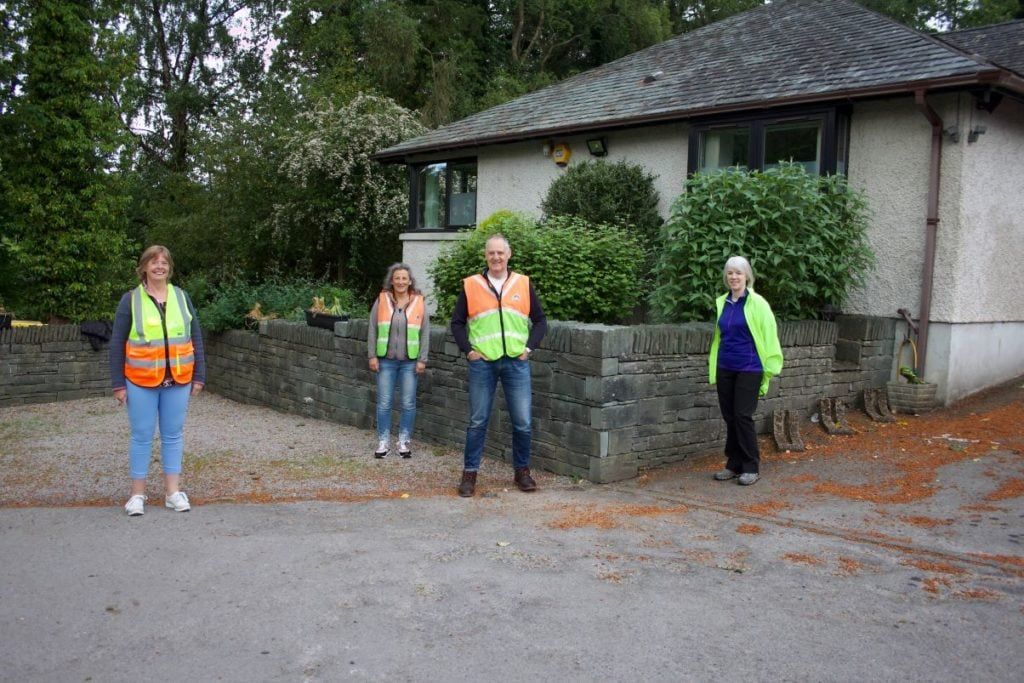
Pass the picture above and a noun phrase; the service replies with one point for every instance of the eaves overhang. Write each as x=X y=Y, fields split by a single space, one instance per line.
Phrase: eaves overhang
x=992 y=77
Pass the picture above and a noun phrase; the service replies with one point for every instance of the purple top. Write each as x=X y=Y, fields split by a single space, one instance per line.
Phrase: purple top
x=737 y=351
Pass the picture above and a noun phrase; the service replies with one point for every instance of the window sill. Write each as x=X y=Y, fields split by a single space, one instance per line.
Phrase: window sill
x=448 y=235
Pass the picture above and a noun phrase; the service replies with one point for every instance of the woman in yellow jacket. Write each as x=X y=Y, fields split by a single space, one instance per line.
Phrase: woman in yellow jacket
x=745 y=354
x=156 y=364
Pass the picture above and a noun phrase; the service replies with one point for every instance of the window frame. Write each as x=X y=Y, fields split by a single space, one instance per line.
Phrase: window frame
x=834 y=120
x=414 y=193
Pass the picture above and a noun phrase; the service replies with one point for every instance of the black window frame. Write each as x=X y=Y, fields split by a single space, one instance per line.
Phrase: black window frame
x=414 y=193
x=835 y=132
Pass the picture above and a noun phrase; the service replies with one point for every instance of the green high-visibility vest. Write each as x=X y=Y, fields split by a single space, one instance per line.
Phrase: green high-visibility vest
x=414 y=320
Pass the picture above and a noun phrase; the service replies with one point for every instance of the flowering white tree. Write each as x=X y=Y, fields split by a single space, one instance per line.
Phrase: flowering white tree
x=346 y=210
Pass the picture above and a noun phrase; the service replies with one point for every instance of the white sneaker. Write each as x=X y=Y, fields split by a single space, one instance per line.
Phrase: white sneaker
x=382 y=448
x=404 y=450
x=177 y=502
x=135 y=505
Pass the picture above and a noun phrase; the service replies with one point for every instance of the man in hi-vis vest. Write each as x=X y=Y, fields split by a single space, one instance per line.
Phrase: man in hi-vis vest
x=497 y=321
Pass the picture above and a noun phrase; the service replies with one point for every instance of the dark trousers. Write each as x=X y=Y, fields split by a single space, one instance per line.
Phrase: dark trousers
x=737 y=397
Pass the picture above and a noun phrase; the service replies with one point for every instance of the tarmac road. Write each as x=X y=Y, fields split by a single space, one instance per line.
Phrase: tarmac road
x=645 y=581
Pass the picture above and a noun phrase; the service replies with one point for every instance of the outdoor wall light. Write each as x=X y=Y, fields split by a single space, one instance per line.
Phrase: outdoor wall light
x=598 y=147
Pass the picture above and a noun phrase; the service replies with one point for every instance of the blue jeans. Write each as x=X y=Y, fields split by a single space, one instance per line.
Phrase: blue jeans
x=483 y=381
x=404 y=371
x=146 y=407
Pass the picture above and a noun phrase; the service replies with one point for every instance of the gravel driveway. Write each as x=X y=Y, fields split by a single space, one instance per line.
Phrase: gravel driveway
x=75 y=453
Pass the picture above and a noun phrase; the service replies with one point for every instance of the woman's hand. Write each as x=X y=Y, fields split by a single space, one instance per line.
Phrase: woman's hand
x=121 y=395
x=420 y=367
x=374 y=365
x=197 y=387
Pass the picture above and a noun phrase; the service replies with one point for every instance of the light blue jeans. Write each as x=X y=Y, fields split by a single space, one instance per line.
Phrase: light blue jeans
x=390 y=373
x=483 y=382
x=146 y=407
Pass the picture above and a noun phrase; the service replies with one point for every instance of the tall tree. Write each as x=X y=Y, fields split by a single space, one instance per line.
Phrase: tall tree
x=688 y=15
x=946 y=15
x=194 y=56
x=63 y=244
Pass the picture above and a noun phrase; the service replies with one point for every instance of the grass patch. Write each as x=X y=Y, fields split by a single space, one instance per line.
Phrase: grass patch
x=20 y=428
x=317 y=466
x=198 y=464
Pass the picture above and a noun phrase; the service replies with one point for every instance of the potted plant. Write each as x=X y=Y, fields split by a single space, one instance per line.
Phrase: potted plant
x=321 y=315
x=256 y=315
x=913 y=394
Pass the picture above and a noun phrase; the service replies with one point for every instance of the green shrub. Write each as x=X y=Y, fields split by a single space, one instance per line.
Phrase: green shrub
x=227 y=304
x=581 y=271
x=467 y=257
x=506 y=222
x=805 y=237
x=603 y=193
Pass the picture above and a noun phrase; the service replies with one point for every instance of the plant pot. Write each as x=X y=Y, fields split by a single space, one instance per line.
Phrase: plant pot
x=911 y=398
x=324 y=320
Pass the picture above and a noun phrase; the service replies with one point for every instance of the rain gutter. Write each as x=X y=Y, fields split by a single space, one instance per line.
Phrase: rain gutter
x=930 y=229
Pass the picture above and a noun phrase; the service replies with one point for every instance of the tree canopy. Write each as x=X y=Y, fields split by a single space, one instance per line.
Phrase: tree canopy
x=195 y=122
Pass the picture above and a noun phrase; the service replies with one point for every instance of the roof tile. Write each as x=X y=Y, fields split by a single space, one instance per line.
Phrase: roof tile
x=786 y=50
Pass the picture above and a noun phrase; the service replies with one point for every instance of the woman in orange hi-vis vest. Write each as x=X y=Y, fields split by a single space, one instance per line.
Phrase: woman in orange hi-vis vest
x=156 y=363
x=397 y=344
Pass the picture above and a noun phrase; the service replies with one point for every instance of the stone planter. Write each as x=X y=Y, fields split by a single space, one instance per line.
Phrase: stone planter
x=324 y=320
x=911 y=398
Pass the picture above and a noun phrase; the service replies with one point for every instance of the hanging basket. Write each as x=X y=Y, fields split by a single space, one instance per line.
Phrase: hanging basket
x=905 y=397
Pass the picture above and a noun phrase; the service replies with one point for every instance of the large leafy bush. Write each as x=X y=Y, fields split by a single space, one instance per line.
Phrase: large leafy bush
x=582 y=271
x=804 y=235
x=600 y=192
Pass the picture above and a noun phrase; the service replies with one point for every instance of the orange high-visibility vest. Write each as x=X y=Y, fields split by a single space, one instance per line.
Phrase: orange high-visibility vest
x=498 y=327
x=414 y=320
x=148 y=353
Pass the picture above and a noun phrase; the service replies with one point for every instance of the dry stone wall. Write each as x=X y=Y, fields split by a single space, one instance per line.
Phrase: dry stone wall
x=609 y=401
x=50 y=363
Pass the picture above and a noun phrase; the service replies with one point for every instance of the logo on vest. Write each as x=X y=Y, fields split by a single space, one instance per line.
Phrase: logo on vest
x=516 y=297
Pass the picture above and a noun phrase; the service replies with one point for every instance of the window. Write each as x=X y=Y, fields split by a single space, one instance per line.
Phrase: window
x=443 y=195
x=815 y=139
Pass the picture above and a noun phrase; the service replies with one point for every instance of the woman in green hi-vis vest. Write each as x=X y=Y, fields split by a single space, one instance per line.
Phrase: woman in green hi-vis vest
x=397 y=345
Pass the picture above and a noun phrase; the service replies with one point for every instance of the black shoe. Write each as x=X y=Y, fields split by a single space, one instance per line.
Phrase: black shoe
x=467 y=487
x=523 y=479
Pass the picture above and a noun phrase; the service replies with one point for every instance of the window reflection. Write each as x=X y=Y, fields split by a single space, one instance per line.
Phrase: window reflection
x=446 y=195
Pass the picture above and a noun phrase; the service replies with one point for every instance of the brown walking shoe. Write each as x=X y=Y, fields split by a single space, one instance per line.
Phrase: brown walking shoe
x=467 y=487
x=523 y=479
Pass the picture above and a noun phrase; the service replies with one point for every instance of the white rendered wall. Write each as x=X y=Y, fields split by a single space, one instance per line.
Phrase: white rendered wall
x=990 y=251
x=984 y=344
x=977 y=318
x=518 y=176
x=966 y=357
x=419 y=249
x=890 y=147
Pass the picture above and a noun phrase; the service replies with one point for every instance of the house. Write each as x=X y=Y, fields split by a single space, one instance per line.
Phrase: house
x=931 y=130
